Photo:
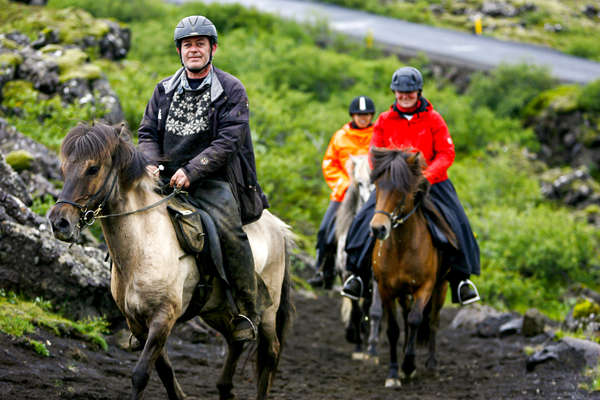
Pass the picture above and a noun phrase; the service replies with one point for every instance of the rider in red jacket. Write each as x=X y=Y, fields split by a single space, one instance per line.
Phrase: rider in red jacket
x=351 y=140
x=411 y=122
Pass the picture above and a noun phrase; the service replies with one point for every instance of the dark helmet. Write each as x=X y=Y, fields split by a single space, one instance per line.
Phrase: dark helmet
x=361 y=105
x=195 y=25
x=407 y=79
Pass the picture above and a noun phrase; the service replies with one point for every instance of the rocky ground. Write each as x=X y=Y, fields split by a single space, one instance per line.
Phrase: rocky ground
x=316 y=364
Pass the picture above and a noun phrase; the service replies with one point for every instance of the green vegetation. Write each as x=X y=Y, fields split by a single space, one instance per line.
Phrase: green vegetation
x=299 y=81
x=558 y=24
x=19 y=159
x=20 y=317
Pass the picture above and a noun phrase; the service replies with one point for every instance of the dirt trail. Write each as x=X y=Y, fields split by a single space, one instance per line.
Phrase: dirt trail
x=316 y=365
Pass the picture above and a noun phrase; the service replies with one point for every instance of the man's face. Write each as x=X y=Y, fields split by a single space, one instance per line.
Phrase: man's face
x=362 y=120
x=195 y=52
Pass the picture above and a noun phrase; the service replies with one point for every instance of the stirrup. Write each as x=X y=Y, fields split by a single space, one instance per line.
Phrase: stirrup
x=351 y=297
x=252 y=326
x=472 y=285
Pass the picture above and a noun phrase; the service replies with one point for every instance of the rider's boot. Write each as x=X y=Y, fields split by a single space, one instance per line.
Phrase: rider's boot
x=353 y=287
x=325 y=274
x=464 y=292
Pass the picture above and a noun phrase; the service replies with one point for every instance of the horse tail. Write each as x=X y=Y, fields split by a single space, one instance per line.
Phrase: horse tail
x=286 y=308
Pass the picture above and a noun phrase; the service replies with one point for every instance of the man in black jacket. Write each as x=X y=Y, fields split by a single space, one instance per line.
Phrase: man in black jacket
x=196 y=125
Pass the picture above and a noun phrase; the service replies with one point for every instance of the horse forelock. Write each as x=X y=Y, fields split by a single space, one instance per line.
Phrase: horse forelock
x=99 y=142
x=392 y=169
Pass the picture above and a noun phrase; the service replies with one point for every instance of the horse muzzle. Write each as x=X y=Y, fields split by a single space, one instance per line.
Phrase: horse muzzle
x=380 y=232
x=62 y=222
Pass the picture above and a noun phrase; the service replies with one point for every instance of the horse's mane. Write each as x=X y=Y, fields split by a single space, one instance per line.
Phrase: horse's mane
x=402 y=170
x=99 y=142
x=349 y=207
x=347 y=210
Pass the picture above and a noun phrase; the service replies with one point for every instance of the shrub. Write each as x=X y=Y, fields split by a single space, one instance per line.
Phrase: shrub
x=507 y=89
x=589 y=99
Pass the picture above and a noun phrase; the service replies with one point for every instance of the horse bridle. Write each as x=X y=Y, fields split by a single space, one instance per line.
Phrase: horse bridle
x=395 y=216
x=87 y=216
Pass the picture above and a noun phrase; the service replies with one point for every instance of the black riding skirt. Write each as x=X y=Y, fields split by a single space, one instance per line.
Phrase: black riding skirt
x=359 y=242
x=326 y=235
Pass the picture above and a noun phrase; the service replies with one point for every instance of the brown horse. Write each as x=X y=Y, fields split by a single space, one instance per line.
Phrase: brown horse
x=153 y=281
x=406 y=265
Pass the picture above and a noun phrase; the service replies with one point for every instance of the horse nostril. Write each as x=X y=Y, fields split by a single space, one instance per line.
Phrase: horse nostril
x=62 y=225
x=379 y=231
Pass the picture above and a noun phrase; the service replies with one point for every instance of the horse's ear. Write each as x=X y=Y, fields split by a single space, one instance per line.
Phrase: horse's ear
x=122 y=131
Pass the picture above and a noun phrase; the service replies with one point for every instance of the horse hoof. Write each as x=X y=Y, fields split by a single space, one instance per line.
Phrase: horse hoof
x=358 y=355
x=393 y=383
x=410 y=376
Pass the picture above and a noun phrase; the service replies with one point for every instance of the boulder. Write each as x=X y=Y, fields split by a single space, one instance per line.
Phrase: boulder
x=11 y=182
x=116 y=43
x=498 y=9
x=107 y=97
x=74 y=278
x=41 y=71
x=560 y=355
x=469 y=317
x=534 y=323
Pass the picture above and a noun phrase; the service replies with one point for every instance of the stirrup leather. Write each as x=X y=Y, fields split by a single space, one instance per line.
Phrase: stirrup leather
x=362 y=286
x=472 y=285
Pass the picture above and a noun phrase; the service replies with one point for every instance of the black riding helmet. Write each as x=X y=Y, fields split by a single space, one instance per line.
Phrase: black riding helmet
x=407 y=79
x=195 y=25
x=361 y=105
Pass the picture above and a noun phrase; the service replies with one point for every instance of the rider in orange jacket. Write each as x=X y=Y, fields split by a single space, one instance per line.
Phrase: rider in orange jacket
x=411 y=122
x=351 y=140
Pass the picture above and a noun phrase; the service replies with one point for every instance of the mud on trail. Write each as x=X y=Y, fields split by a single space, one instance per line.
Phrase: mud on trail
x=315 y=365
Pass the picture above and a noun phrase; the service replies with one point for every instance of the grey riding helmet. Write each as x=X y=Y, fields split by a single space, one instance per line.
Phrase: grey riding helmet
x=195 y=25
x=407 y=79
x=361 y=105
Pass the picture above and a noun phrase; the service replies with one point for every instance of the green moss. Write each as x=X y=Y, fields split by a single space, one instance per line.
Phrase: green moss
x=19 y=159
x=18 y=93
x=38 y=347
x=10 y=59
x=592 y=209
x=9 y=44
x=562 y=99
x=584 y=308
x=85 y=71
x=19 y=317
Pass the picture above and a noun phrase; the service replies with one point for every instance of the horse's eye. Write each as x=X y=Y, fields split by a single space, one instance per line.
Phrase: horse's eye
x=93 y=170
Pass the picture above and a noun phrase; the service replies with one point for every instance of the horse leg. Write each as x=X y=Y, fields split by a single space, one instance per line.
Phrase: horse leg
x=393 y=333
x=158 y=332
x=375 y=314
x=167 y=376
x=225 y=382
x=437 y=302
x=267 y=355
x=415 y=317
x=353 y=334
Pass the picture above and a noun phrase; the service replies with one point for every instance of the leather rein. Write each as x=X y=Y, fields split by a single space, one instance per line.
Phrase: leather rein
x=88 y=216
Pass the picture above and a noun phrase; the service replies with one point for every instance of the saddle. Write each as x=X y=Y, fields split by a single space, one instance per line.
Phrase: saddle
x=197 y=234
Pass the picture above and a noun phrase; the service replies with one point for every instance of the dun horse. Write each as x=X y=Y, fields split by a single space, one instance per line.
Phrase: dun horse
x=406 y=265
x=153 y=281
x=355 y=313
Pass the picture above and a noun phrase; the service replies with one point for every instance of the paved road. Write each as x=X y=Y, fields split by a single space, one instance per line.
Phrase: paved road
x=441 y=45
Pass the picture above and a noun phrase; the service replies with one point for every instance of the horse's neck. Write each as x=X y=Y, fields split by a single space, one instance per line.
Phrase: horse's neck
x=129 y=236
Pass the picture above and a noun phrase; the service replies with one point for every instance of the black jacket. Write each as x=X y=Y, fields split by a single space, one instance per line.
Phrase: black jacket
x=230 y=155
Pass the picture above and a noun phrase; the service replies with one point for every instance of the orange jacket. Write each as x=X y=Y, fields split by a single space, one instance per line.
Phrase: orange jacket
x=344 y=143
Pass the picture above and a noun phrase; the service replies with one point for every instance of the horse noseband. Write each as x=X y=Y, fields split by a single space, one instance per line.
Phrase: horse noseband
x=395 y=217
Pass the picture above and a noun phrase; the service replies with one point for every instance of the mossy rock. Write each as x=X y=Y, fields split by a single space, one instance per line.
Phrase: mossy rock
x=562 y=99
x=10 y=59
x=18 y=93
x=70 y=59
x=585 y=308
x=19 y=160
x=9 y=44
x=51 y=48
x=591 y=210
x=89 y=72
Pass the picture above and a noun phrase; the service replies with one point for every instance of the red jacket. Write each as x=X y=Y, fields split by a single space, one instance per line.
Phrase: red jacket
x=344 y=143
x=426 y=132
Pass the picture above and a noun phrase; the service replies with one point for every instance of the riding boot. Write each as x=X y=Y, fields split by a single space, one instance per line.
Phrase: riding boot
x=216 y=198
